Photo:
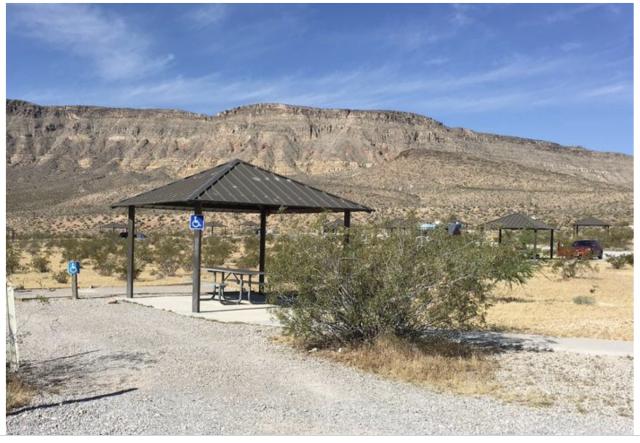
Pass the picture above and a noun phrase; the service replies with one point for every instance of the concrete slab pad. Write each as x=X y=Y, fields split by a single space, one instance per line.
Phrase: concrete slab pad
x=245 y=312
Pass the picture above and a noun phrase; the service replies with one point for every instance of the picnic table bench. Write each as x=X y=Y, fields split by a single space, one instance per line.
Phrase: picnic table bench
x=242 y=277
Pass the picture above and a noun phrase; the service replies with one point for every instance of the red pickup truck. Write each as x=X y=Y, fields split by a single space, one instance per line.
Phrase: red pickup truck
x=582 y=249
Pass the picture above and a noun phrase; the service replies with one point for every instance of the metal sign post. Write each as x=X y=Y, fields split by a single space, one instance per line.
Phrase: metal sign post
x=73 y=268
x=196 y=224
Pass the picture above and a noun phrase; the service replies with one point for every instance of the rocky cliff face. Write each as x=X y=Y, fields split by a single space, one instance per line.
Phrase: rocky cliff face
x=81 y=158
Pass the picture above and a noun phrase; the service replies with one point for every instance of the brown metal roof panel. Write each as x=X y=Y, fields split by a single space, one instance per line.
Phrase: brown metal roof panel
x=239 y=183
x=517 y=221
x=591 y=221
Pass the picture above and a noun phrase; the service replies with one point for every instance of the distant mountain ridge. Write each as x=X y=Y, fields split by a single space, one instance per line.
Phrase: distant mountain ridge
x=84 y=156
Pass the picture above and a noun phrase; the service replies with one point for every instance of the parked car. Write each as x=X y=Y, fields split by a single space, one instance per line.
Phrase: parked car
x=587 y=248
x=139 y=235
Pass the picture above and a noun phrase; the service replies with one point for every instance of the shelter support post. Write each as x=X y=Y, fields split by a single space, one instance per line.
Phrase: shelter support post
x=347 y=225
x=551 y=245
x=263 y=239
x=577 y=230
x=535 y=243
x=499 y=235
x=131 y=236
x=197 y=248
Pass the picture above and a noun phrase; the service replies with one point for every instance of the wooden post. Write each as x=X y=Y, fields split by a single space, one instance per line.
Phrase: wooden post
x=14 y=356
x=197 y=247
x=499 y=235
x=551 y=245
x=131 y=236
x=74 y=286
x=347 y=225
x=263 y=239
x=535 y=243
x=576 y=231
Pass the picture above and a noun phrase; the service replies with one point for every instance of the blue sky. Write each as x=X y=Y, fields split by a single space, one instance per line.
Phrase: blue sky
x=562 y=73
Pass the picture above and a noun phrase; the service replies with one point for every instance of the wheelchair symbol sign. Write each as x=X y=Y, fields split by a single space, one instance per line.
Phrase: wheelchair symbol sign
x=73 y=267
x=196 y=222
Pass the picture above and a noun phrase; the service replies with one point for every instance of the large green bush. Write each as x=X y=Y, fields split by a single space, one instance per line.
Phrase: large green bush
x=387 y=283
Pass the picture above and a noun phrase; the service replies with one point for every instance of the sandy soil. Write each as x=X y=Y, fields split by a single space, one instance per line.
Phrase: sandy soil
x=545 y=305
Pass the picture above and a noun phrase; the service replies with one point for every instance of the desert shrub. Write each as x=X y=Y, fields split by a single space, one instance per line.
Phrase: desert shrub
x=215 y=251
x=169 y=254
x=33 y=247
x=618 y=237
x=572 y=267
x=142 y=257
x=61 y=276
x=584 y=300
x=251 y=255
x=629 y=259
x=393 y=284
x=71 y=249
x=617 y=262
x=40 y=263
x=13 y=255
x=103 y=252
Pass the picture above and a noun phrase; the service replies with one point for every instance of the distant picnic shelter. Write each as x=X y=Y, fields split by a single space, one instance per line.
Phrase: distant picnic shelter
x=235 y=186
x=520 y=222
x=590 y=222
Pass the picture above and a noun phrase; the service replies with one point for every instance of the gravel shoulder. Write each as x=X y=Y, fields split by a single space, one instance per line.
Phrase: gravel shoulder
x=125 y=369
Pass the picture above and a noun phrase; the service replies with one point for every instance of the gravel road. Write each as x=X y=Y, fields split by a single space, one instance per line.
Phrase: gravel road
x=126 y=369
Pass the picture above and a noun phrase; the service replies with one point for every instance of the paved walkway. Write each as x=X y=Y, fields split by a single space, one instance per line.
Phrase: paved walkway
x=229 y=312
x=531 y=342
x=177 y=299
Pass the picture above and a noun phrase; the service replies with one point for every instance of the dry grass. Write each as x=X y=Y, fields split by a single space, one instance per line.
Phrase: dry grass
x=438 y=364
x=545 y=305
x=30 y=279
x=19 y=393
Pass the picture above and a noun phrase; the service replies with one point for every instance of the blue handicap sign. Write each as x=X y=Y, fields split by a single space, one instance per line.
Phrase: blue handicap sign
x=73 y=267
x=196 y=222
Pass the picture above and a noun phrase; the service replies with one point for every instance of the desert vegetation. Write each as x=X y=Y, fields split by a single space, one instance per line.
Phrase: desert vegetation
x=388 y=283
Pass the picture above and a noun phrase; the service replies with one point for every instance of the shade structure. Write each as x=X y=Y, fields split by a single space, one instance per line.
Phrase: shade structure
x=235 y=186
x=590 y=222
x=238 y=186
x=519 y=221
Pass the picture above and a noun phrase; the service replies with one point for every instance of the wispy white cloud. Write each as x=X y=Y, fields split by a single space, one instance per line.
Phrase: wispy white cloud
x=205 y=15
x=568 y=12
x=115 y=49
x=570 y=46
x=612 y=90
x=519 y=83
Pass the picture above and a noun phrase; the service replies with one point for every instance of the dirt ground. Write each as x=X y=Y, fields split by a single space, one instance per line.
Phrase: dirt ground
x=545 y=305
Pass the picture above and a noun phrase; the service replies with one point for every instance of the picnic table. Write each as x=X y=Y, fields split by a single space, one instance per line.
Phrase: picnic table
x=240 y=276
